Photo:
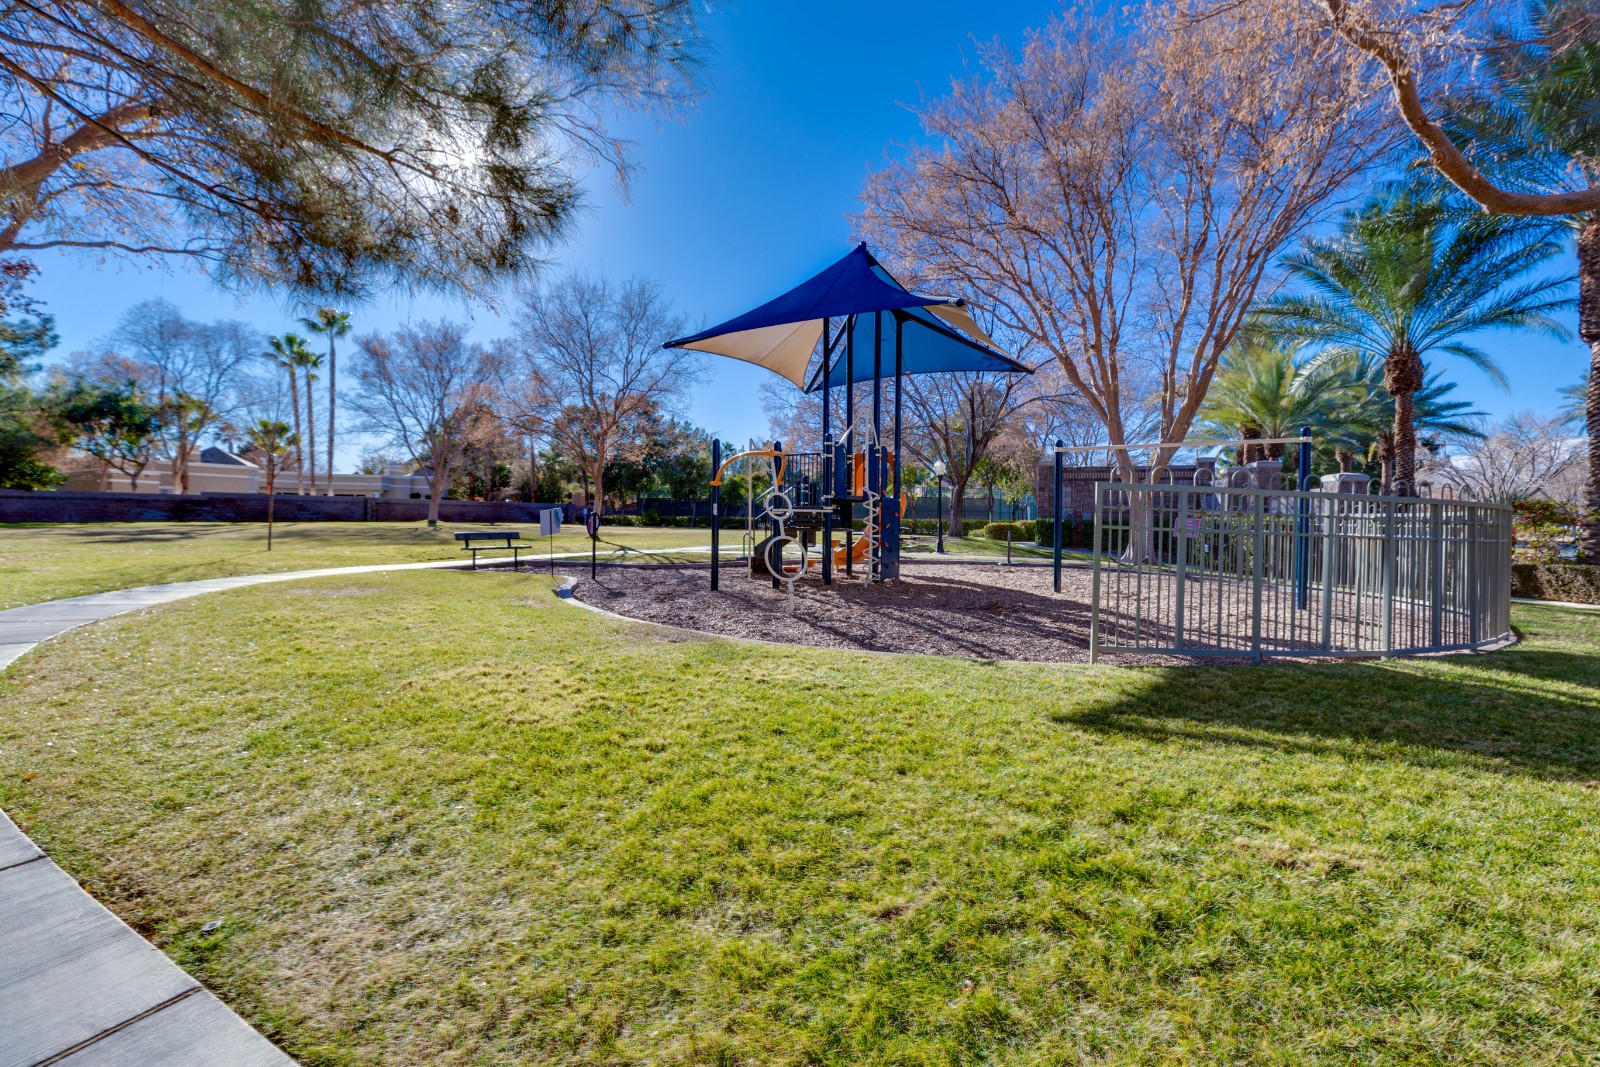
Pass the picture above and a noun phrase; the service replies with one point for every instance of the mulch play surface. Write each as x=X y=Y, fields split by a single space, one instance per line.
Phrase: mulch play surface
x=982 y=611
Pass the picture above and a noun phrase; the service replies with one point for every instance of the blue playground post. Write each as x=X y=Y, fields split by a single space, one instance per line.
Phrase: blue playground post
x=777 y=487
x=716 y=511
x=830 y=485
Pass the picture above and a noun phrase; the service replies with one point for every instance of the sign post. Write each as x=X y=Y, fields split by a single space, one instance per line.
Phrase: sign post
x=549 y=526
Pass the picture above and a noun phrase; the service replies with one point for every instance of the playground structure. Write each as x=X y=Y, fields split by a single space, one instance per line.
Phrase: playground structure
x=851 y=324
x=1235 y=566
x=800 y=512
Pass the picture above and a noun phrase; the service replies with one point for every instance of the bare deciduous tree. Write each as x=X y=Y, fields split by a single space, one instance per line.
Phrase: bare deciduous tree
x=420 y=386
x=596 y=371
x=1519 y=457
x=1117 y=194
x=189 y=372
x=958 y=418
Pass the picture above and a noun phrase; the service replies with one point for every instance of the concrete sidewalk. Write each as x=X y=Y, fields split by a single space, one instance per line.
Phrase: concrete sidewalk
x=22 y=628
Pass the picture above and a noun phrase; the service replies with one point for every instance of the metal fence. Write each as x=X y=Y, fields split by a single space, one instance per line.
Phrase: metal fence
x=1259 y=573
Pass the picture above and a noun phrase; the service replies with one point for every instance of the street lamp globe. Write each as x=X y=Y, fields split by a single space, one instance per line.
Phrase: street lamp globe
x=938 y=468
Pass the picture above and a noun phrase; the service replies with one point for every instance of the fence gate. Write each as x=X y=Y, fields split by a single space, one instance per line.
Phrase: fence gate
x=1256 y=573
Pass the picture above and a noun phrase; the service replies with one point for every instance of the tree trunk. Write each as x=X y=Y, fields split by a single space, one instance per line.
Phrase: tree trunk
x=597 y=499
x=1405 y=448
x=439 y=486
x=1249 y=453
x=1589 y=330
x=180 y=465
x=958 y=508
x=332 y=377
x=533 y=470
x=294 y=402
x=1403 y=375
x=1347 y=462
x=270 y=480
x=311 y=430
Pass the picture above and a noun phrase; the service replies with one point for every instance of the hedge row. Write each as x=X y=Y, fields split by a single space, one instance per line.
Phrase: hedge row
x=729 y=522
x=929 y=527
x=1075 y=532
x=1018 y=531
x=1576 y=583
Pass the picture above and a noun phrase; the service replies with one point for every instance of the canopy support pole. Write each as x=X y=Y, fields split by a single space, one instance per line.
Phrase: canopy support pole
x=892 y=544
x=716 y=513
x=828 y=482
x=875 y=455
x=850 y=441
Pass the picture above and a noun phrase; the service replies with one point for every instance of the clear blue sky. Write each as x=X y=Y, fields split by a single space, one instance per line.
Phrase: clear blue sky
x=741 y=199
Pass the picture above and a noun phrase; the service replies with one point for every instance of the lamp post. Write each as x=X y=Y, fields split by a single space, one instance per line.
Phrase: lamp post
x=938 y=473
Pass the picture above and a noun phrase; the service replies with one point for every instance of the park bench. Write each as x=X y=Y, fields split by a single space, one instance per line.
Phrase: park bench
x=485 y=540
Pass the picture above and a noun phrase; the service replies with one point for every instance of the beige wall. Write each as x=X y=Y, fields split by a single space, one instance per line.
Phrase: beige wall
x=394 y=484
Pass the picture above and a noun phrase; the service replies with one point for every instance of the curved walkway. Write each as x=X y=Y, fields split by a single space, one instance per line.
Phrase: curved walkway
x=78 y=987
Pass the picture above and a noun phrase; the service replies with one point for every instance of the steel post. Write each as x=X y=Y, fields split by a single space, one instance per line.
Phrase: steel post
x=1055 y=529
x=1094 y=555
x=1258 y=547
x=716 y=516
x=1183 y=567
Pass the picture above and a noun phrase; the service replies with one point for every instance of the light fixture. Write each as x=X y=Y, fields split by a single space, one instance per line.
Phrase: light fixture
x=938 y=468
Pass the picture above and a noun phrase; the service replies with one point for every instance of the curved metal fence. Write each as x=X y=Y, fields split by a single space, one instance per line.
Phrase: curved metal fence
x=1262 y=573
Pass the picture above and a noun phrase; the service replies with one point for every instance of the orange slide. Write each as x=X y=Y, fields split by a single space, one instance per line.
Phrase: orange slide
x=858 y=550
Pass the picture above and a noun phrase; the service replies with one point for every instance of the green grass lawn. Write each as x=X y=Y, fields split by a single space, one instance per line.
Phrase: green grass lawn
x=451 y=827
x=48 y=561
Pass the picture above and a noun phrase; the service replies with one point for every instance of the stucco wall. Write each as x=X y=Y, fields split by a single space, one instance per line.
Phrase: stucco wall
x=48 y=506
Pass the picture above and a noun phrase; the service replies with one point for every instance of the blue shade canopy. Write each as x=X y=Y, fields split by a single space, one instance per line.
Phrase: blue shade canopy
x=782 y=334
x=929 y=345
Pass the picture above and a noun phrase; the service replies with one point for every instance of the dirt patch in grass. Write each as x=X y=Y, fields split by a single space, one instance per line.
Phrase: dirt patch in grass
x=977 y=611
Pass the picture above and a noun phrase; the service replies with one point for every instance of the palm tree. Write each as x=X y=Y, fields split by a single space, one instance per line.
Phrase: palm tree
x=272 y=440
x=287 y=352
x=1264 y=389
x=309 y=361
x=1537 y=129
x=1575 y=405
x=334 y=325
x=1365 y=422
x=1406 y=278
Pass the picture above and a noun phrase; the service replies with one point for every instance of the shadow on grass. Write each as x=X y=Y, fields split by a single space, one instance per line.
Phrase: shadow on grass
x=1530 y=709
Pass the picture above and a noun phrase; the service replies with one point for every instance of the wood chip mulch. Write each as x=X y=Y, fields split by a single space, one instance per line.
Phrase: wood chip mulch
x=981 y=611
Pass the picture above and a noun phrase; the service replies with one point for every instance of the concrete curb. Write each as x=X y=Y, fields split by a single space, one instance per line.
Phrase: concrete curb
x=1555 y=604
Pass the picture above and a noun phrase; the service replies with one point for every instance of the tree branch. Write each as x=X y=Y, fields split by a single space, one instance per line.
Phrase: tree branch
x=1447 y=159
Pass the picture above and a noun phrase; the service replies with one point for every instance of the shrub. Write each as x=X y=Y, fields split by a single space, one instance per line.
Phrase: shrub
x=1576 y=583
x=1544 y=528
x=1017 y=531
x=1044 y=531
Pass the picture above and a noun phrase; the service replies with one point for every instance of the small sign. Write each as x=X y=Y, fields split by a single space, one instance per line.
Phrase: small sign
x=549 y=522
x=1194 y=526
x=591 y=523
